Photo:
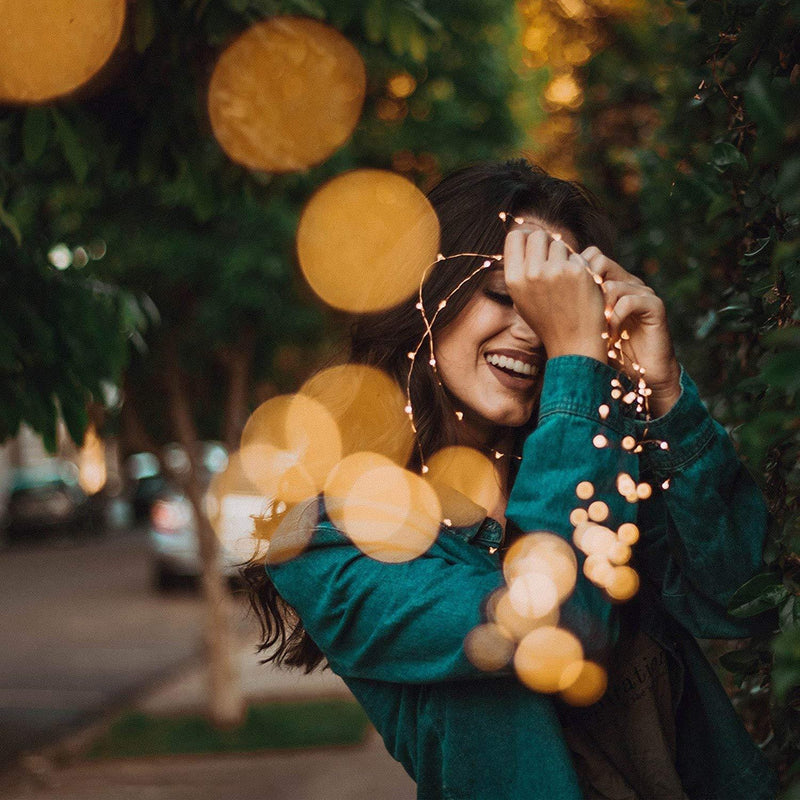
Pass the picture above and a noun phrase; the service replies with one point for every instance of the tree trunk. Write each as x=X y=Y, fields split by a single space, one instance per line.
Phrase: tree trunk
x=225 y=699
x=237 y=361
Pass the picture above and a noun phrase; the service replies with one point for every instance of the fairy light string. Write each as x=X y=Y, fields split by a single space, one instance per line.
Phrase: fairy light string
x=636 y=397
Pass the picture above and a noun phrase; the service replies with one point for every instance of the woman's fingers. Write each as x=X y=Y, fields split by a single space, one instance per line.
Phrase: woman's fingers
x=613 y=290
x=514 y=255
x=647 y=308
x=606 y=268
x=536 y=248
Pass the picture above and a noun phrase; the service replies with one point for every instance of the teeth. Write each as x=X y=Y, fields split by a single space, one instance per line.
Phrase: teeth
x=515 y=365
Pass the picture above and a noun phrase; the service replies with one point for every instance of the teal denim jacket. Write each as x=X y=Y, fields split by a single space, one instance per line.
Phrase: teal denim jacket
x=395 y=632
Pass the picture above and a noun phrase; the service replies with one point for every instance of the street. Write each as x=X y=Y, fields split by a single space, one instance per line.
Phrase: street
x=82 y=629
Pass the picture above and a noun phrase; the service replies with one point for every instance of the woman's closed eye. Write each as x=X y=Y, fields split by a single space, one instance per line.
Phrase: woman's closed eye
x=503 y=298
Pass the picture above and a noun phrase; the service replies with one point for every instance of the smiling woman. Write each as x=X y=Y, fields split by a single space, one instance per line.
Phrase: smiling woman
x=488 y=642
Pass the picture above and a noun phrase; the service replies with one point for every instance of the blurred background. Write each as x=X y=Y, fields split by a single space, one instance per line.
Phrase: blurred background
x=155 y=159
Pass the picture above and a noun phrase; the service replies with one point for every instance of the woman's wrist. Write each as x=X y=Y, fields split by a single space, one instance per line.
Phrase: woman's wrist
x=665 y=394
x=595 y=351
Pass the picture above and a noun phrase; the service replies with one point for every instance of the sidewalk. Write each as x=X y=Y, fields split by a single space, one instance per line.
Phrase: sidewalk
x=362 y=772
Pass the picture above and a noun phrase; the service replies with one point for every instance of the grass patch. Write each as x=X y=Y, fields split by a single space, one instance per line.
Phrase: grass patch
x=316 y=723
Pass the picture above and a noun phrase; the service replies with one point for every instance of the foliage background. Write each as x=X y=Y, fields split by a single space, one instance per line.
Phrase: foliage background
x=690 y=132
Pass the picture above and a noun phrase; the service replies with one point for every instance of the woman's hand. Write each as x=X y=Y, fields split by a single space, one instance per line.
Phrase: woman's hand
x=554 y=293
x=633 y=306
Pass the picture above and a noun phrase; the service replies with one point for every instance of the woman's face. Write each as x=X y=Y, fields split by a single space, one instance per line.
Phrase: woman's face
x=489 y=359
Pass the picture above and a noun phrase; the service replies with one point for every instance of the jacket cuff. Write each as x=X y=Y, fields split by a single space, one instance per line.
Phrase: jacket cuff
x=580 y=385
x=687 y=428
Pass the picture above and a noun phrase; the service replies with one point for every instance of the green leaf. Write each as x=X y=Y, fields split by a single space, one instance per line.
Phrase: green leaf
x=311 y=8
x=144 y=25
x=725 y=155
x=719 y=204
x=401 y=27
x=374 y=20
x=71 y=146
x=789 y=615
x=35 y=133
x=787 y=187
x=7 y=219
x=786 y=669
x=763 y=102
x=423 y=15
x=782 y=370
x=761 y=593
x=739 y=661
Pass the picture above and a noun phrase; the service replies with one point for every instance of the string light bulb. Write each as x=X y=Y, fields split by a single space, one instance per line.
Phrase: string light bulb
x=616 y=351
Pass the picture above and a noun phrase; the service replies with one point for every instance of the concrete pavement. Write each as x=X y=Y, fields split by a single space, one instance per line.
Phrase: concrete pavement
x=362 y=772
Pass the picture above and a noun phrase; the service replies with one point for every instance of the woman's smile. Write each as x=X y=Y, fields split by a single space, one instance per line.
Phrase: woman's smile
x=514 y=368
x=490 y=361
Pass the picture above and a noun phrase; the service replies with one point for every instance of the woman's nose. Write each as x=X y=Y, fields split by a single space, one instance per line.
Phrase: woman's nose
x=522 y=331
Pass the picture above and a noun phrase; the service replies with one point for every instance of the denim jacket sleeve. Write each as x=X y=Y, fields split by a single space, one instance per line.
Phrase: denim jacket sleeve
x=575 y=442
x=402 y=623
x=702 y=537
x=407 y=622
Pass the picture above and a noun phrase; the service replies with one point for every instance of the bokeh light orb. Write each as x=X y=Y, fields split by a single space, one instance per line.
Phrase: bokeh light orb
x=48 y=48
x=286 y=94
x=518 y=625
x=543 y=656
x=628 y=533
x=584 y=683
x=232 y=502
x=389 y=513
x=458 y=473
x=592 y=538
x=533 y=594
x=546 y=554
x=624 y=584
x=365 y=239
x=289 y=446
x=368 y=407
x=489 y=647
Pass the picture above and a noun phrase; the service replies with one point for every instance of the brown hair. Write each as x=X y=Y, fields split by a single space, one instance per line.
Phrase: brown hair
x=468 y=203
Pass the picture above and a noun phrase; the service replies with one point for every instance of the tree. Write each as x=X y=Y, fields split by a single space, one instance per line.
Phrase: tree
x=131 y=161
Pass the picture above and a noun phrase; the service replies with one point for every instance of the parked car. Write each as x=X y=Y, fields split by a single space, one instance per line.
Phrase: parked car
x=172 y=532
x=147 y=483
x=47 y=499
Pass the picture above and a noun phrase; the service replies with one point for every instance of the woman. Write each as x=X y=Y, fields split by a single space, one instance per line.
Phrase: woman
x=521 y=358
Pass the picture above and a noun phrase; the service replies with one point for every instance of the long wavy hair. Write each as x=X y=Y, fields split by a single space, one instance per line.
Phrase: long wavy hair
x=468 y=204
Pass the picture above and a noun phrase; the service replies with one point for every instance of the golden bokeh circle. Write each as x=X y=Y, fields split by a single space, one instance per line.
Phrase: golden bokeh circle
x=628 y=533
x=365 y=239
x=389 y=513
x=533 y=594
x=542 y=553
x=458 y=473
x=543 y=656
x=624 y=584
x=594 y=539
x=519 y=625
x=51 y=47
x=578 y=516
x=586 y=683
x=599 y=570
x=232 y=502
x=289 y=446
x=286 y=94
x=368 y=407
x=489 y=647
